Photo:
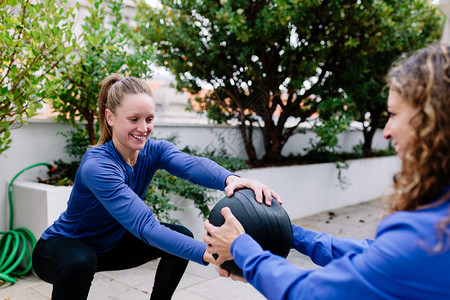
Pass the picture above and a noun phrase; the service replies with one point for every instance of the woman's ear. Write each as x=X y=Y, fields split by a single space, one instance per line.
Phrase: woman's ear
x=109 y=117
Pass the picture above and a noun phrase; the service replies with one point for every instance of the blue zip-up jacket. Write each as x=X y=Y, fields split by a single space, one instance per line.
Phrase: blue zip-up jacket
x=398 y=264
x=106 y=198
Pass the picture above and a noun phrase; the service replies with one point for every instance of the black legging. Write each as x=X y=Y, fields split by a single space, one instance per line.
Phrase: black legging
x=70 y=264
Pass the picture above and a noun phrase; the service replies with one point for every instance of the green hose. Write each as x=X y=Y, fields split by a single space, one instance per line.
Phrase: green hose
x=16 y=244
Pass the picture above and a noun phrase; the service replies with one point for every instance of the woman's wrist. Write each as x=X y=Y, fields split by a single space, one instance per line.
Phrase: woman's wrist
x=230 y=179
x=208 y=258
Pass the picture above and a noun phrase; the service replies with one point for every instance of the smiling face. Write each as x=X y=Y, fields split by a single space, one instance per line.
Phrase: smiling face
x=398 y=128
x=132 y=123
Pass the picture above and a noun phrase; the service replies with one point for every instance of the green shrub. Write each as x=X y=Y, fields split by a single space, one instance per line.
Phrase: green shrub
x=165 y=184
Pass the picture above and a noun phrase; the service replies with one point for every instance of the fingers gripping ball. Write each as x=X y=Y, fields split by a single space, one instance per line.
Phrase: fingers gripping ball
x=270 y=226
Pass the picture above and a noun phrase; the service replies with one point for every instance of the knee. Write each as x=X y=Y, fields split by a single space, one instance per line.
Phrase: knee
x=57 y=259
x=180 y=229
x=185 y=231
x=82 y=264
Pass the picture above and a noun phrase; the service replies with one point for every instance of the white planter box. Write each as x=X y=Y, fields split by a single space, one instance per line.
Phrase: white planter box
x=305 y=190
x=309 y=189
x=37 y=205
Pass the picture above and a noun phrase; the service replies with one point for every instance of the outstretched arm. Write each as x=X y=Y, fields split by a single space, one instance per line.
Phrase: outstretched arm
x=207 y=173
x=323 y=248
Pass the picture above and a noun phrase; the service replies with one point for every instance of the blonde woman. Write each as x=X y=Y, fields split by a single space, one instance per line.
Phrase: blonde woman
x=410 y=256
x=107 y=226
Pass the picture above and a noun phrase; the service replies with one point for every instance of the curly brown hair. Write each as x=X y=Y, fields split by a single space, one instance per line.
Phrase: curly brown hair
x=423 y=81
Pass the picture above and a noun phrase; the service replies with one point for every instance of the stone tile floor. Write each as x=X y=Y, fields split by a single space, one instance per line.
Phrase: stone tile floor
x=199 y=282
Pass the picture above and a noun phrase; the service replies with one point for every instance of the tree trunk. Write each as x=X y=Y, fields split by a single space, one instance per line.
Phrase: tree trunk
x=273 y=144
x=247 y=137
x=367 y=145
x=369 y=133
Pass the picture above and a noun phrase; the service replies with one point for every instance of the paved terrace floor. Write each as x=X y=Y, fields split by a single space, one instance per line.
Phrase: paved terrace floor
x=199 y=282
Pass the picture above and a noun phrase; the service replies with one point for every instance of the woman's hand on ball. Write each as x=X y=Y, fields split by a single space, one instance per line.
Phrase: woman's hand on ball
x=207 y=257
x=225 y=273
x=237 y=278
x=222 y=272
x=234 y=183
x=219 y=239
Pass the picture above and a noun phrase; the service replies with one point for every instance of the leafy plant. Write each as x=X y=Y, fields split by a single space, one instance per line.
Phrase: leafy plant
x=164 y=184
x=273 y=61
x=106 y=45
x=158 y=196
x=35 y=36
x=77 y=141
x=334 y=119
x=63 y=175
x=398 y=27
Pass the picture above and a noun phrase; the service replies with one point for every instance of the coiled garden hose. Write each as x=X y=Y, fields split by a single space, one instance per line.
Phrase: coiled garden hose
x=16 y=244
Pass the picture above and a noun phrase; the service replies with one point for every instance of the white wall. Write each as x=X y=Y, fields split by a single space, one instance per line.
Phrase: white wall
x=39 y=142
x=207 y=136
x=310 y=189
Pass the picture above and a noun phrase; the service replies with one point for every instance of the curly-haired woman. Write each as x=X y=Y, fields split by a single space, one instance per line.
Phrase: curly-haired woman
x=410 y=256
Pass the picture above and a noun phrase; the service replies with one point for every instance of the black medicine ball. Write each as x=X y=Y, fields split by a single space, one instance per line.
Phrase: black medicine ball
x=270 y=226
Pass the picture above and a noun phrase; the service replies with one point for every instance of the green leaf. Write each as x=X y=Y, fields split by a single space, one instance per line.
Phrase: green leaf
x=68 y=50
x=91 y=39
x=109 y=48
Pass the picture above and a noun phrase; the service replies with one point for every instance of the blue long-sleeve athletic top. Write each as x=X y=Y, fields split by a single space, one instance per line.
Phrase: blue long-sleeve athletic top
x=398 y=264
x=106 y=199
